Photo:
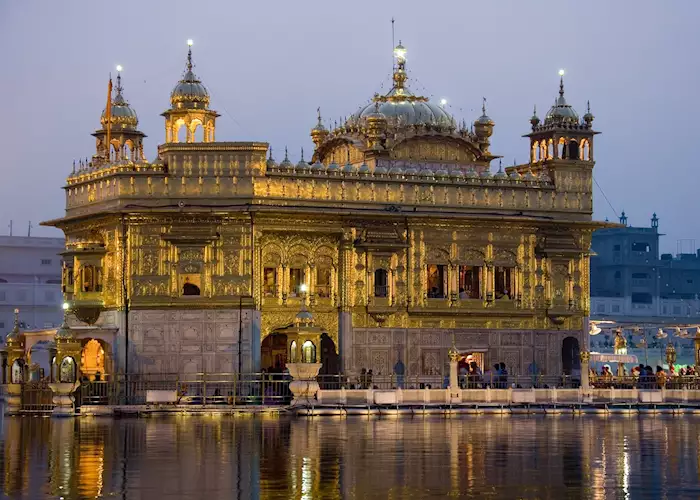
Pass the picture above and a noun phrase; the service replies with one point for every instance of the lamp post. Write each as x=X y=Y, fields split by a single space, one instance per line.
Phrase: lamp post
x=643 y=343
x=670 y=354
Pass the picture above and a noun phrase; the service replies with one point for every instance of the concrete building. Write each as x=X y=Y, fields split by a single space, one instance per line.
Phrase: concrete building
x=30 y=280
x=631 y=282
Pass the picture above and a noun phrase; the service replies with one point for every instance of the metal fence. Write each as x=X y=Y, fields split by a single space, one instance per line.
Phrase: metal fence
x=191 y=389
x=36 y=397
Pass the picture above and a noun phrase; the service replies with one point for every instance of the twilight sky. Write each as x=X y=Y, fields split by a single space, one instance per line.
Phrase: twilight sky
x=269 y=65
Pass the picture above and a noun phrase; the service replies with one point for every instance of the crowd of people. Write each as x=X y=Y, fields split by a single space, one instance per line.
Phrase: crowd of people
x=643 y=377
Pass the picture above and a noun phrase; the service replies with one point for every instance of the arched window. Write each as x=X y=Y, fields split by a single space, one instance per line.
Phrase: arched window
x=561 y=148
x=437 y=281
x=270 y=282
x=504 y=277
x=469 y=282
x=308 y=352
x=197 y=132
x=180 y=131
x=323 y=282
x=381 y=283
x=17 y=376
x=297 y=277
x=550 y=149
x=535 y=155
x=129 y=150
x=67 y=371
x=573 y=150
x=585 y=152
x=293 y=352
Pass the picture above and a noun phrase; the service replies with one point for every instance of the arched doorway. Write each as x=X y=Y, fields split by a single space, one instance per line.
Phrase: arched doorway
x=273 y=352
x=95 y=360
x=570 y=360
x=329 y=356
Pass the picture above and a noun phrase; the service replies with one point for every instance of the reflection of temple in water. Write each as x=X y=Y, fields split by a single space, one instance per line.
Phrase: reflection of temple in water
x=553 y=457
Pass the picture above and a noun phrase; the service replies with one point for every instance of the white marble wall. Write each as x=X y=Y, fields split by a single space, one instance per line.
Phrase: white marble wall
x=192 y=341
x=425 y=350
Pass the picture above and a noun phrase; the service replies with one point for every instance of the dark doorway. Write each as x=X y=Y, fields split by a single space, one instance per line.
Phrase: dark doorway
x=273 y=352
x=570 y=360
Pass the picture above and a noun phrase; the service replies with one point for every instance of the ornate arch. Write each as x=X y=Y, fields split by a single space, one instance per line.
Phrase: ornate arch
x=471 y=257
x=437 y=255
x=504 y=257
x=455 y=149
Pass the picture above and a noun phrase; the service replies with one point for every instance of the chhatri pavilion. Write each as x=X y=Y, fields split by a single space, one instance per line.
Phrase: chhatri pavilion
x=398 y=235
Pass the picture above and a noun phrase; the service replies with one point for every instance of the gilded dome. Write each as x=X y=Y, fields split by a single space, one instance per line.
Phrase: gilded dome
x=123 y=115
x=400 y=106
x=561 y=113
x=405 y=108
x=189 y=92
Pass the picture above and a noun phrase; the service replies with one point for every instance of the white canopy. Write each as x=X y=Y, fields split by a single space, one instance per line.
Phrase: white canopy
x=597 y=357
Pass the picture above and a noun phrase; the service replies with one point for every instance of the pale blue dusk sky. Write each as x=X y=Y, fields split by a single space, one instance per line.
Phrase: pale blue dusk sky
x=269 y=65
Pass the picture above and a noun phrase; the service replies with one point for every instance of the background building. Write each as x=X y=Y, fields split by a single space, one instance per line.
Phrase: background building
x=631 y=282
x=30 y=279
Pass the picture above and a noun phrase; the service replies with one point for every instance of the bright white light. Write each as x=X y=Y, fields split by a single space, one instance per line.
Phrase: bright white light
x=443 y=102
x=65 y=306
x=561 y=72
x=400 y=52
x=119 y=67
x=190 y=42
x=303 y=287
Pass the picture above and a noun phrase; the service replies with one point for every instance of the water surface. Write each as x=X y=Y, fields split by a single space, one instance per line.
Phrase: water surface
x=358 y=457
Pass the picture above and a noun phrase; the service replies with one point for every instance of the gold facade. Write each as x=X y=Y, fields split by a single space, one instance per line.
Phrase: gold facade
x=397 y=226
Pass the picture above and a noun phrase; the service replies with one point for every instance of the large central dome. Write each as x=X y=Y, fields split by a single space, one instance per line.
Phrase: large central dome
x=400 y=106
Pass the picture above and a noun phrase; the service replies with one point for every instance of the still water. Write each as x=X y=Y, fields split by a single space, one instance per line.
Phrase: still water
x=357 y=457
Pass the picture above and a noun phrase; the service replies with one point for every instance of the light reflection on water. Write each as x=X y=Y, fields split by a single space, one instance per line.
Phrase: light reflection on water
x=245 y=457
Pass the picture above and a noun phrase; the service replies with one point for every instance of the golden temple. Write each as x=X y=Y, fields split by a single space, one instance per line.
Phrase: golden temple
x=396 y=226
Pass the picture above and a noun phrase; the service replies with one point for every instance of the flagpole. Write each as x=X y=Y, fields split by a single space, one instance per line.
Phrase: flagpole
x=108 y=119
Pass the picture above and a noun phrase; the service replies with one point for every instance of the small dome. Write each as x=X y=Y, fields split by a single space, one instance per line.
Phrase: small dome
x=515 y=175
x=426 y=173
x=396 y=170
x=588 y=117
x=123 y=115
x=15 y=336
x=319 y=128
x=364 y=168
x=442 y=173
x=534 y=119
x=319 y=167
x=189 y=92
x=411 y=170
x=349 y=168
x=561 y=113
x=64 y=332
x=304 y=317
x=457 y=174
x=484 y=119
x=286 y=164
x=471 y=173
x=500 y=175
x=380 y=170
x=302 y=165
x=271 y=163
x=485 y=174
x=544 y=176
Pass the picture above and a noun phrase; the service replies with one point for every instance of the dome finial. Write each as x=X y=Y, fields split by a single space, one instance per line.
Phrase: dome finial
x=561 y=82
x=318 y=111
x=483 y=106
x=270 y=158
x=286 y=156
x=302 y=154
x=189 y=54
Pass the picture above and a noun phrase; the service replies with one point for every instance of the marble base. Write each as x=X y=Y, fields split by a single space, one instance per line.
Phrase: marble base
x=304 y=385
x=63 y=400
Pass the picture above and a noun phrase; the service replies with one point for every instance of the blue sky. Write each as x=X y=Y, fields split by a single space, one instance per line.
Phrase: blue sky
x=269 y=65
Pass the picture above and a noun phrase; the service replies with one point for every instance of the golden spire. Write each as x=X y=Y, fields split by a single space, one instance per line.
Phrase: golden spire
x=400 y=69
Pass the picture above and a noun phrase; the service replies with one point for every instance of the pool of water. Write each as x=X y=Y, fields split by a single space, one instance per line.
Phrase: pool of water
x=358 y=457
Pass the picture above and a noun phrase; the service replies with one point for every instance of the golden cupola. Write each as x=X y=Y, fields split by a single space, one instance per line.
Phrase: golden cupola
x=126 y=141
x=189 y=108
x=401 y=126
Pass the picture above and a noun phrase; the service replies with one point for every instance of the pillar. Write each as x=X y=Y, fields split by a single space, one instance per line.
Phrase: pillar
x=585 y=363
x=455 y=395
